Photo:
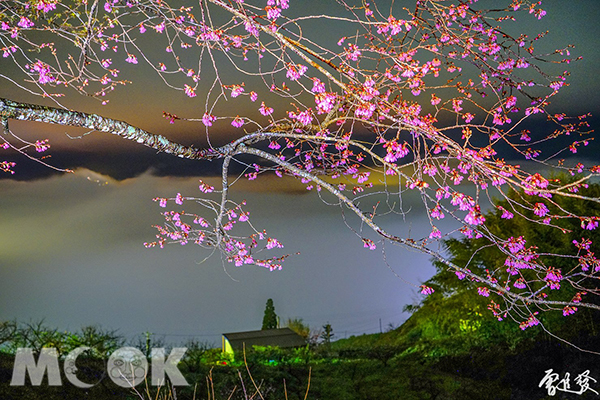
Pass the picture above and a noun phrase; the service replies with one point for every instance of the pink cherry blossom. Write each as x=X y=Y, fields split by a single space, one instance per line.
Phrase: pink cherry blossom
x=353 y=52
x=520 y=283
x=205 y=188
x=435 y=233
x=208 y=119
x=590 y=223
x=569 y=310
x=365 y=110
x=531 y=321
x=273 y=12
x=369 y=244
x=131 y=59
x=318 y=86
x=325 y=101
x=25 y=23
x=426 y=290
x=264 y=110
x=46 y=5
x=179 y=199
x=236 y=90
x=190 y=91
x=159 y=28
x=553 y=278
x=251 y=28
x=437 y=213
x=273 y=243
x=43 y=70
x=7 y=166
x=505 y=213
x=41 y=145
x=295 y=72
x=305 y=117
x=540 y=209
x=237 y=122
x=474 y=217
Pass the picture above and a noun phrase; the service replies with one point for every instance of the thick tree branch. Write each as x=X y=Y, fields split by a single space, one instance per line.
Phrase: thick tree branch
x=32 y=112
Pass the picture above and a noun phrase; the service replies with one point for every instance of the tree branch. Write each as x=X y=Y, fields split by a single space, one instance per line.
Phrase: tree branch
x=32 y=112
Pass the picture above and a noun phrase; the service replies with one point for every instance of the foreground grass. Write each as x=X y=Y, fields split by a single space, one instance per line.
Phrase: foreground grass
x=346 y=373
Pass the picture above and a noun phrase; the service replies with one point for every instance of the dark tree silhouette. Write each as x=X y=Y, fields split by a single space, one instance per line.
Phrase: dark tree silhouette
x=270 y=318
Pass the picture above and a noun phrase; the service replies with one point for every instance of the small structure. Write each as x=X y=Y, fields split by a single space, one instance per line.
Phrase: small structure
x=283 y=337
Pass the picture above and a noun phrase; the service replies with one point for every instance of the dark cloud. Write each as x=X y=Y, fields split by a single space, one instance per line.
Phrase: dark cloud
x=131 y=160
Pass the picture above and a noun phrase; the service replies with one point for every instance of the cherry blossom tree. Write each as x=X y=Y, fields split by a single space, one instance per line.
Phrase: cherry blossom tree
x=433 y=99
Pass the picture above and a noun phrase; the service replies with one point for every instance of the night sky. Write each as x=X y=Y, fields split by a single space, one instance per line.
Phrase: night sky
x=71 y=245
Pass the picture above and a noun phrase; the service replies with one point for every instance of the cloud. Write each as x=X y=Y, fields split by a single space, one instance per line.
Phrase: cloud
x=72 y=252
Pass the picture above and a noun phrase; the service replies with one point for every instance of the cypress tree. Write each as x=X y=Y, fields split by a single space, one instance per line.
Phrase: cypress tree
x=270 y=318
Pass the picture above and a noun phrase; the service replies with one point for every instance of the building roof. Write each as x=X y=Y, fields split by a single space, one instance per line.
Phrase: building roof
x=283 y=337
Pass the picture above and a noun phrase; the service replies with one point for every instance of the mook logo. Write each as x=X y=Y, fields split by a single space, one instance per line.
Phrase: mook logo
x=127 y=367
